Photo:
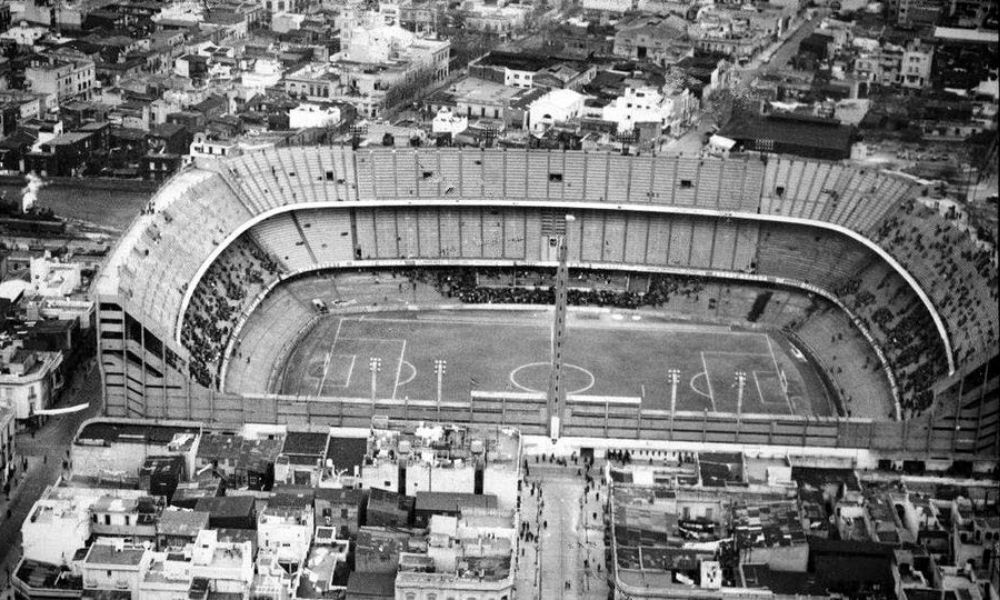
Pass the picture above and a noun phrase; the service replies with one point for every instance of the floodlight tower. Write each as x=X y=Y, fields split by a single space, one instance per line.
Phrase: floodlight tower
x=557 y=389
x=375 y=366
x=439 y=368
x=674 y=377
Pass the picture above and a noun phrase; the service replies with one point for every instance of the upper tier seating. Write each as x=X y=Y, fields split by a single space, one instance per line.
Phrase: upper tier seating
x=228 y=288
x=959 y=276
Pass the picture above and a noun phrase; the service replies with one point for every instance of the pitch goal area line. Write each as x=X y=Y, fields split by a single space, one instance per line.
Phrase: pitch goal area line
x=777 y=372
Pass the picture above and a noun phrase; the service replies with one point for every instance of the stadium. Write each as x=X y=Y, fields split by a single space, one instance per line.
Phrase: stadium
x=754 y=300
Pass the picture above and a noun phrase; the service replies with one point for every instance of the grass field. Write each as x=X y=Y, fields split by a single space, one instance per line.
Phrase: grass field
x=607 y=355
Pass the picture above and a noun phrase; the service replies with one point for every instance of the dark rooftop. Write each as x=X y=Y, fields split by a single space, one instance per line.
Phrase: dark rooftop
x=789 y=128
x=301 y=442
x=114 y=432
x=518 y=61
x=40 y=575
x=453 y=501
x=238 y=506
x=372 y=584
x=346 y=453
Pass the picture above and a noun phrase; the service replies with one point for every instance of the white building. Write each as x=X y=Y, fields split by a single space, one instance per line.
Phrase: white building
x=613 y=6
x=447 y=122
x=30 y=378
x=24 y=34
x=556 y=106
x=63 y=77
x=51 y=278
x=228 y=566
x=266 y=73
x=167 y=578
x=59 y=522
x=639 y=105
x=915 y=71
x=472 y=556
x=287 y=530
x=307 y=115
x=113 y=565
x=393 y=457
x=204 y=147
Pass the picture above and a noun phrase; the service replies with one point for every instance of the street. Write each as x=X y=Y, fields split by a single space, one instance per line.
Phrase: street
x=45 y=451
x=566 y=558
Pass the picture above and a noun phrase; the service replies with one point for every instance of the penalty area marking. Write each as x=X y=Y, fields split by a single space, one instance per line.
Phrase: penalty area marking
x=513 y=378
x=708 y=380
x=399 y=368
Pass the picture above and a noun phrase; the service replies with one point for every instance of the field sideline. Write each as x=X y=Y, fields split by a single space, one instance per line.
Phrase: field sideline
x=607 y=354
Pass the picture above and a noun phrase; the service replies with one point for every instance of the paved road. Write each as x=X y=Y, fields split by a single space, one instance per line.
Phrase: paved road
x=571 y=547
x=45 y=451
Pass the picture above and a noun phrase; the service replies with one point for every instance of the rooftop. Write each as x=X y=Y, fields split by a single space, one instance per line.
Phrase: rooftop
x=110 y=432
x=453 y=501
x=110 y=554
x=187 y=523
x=308 y=443
x=445 y=447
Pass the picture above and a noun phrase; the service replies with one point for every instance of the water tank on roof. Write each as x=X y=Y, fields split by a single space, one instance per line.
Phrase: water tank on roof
x=404 y=448
x=477 y=447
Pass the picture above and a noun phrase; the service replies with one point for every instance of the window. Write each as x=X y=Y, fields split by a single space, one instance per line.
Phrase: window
x=555 y=177
x=686 y=184
x=127 y=520
x=779 y=191
x=107 y=519
x=344 y=513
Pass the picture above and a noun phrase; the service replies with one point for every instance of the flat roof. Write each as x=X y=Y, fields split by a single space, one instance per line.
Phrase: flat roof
x=372 y=584
x=454 y=501
x=108 y=554
x=239 y=506
x=304 y=442
x=114 y=432
x=182 y=522
x=346 y=453
x=966 y=35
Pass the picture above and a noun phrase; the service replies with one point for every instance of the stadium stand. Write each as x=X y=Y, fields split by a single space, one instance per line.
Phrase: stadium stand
x=328 y=235
x=155 y=273
x=959 y=275
x=808 y=254
x=281 y=237
x=229 y=287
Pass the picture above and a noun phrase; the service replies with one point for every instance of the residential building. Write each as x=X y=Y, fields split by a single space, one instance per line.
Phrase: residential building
x=223 y=567
x=557 y=106
x=472 y=555
x=177 y=528
x=111 y=566
x=133 y=518
x=308 y=115
x=62 y=76
x=915 y=71
x=445 y=459
x=287 y=527
x=28 y=379
x=663 y=41
x=168 y=576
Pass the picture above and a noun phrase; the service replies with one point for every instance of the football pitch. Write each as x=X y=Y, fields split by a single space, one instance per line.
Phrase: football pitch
x=607 y=354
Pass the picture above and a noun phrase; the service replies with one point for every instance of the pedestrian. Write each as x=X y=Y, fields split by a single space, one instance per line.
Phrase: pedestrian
x=545 y=524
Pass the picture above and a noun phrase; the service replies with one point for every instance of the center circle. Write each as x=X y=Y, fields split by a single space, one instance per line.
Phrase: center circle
x=534 y=378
